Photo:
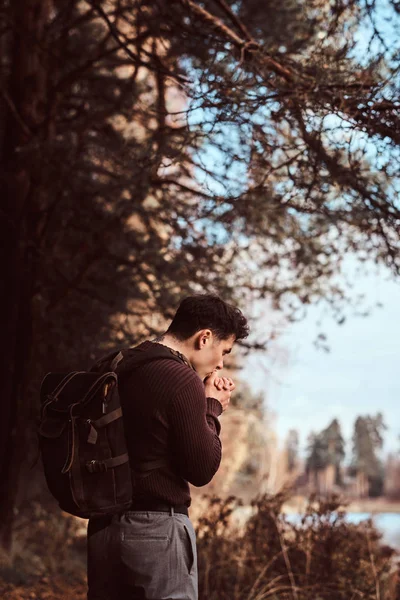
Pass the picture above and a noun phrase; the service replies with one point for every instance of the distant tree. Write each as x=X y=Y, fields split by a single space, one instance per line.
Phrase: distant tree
x=316 y=453
x=392 y=477
x=335 y=446
x=292 y=449
x=366 y=463
x=326 y=449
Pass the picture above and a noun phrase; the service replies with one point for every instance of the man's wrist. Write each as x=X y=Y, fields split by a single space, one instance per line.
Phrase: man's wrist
x=214 y=406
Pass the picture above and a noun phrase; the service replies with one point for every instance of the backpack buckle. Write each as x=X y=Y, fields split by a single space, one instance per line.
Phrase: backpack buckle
x=96 y=466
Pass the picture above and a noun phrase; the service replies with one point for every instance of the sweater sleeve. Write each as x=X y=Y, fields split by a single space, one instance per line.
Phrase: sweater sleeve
x=196 y=446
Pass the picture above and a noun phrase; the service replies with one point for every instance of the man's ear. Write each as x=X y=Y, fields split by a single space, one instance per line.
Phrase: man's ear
x=202 y=338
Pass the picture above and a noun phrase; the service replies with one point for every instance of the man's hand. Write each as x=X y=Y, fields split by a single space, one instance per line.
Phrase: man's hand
x=219 y=388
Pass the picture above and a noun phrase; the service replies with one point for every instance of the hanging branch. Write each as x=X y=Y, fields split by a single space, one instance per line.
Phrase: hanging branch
x=125 y=46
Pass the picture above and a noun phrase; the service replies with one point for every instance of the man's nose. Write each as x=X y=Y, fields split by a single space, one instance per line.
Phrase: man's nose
x=220 y=366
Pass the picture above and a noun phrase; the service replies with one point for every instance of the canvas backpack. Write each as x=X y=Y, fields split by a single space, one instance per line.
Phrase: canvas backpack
x=82 y=441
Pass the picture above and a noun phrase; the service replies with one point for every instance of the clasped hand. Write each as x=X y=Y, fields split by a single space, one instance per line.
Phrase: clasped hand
x=219 y=388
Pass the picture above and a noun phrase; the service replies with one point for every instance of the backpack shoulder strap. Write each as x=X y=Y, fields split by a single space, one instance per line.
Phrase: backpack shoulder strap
x=107 y=363
x=115 y=362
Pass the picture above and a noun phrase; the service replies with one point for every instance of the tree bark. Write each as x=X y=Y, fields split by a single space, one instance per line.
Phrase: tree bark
x=25 y=96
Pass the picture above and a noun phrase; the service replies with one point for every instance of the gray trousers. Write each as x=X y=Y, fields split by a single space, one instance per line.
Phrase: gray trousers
x=142 y=556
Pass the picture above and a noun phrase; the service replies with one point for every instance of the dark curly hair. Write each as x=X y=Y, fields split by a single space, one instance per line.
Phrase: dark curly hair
x=207 y=311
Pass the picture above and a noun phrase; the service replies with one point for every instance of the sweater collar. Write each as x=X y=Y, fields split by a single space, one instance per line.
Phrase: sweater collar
x=183 y=358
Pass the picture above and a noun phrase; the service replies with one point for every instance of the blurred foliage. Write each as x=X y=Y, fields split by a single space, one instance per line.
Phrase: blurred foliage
x=240 y=556
x=245 y=397
x=48 y=560
x=321 y=557
x=164 y=157
x=154 y=149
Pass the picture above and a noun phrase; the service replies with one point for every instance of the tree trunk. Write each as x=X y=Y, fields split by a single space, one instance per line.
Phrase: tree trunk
x=26 y=98
x=362 y=485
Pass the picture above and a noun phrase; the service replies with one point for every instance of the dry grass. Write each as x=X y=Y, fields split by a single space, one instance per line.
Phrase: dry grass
x=48 y=557
x=321 y=558
x=266 y=558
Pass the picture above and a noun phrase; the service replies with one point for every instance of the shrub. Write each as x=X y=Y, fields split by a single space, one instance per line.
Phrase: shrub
x=320 y=557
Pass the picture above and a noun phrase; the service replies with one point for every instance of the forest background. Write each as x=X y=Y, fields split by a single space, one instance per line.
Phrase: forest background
x=155 y=149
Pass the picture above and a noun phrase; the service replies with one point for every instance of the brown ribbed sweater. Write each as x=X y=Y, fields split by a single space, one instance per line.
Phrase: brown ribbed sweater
x=167 y=415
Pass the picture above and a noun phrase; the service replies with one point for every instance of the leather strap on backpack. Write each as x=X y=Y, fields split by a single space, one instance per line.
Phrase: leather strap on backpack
x=116 y=361
x=102 y=422
x=77 y=488
x=97 y=466
x=72 y=441
x=108 y=418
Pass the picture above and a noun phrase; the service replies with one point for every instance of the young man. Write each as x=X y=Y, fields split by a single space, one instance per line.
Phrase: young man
x=171 y=396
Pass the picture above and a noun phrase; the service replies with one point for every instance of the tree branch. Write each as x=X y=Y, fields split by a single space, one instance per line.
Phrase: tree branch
x=125 y=45
x=28 y=132
x=246 y=47
x=234 y=18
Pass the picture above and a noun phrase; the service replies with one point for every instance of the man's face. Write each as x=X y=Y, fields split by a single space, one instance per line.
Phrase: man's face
x=210 y=356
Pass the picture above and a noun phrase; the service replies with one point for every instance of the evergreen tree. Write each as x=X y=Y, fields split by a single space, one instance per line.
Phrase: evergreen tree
x=326 y=448
x=316 y=453
x=367 y=441
x=334 y=443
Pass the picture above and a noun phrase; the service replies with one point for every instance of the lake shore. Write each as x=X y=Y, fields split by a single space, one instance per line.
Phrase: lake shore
x=297 y=504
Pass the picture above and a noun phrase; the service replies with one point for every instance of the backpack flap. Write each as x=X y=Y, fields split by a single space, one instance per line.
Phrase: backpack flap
x=59 y=391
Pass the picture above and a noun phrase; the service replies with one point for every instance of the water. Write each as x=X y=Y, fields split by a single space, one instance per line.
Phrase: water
x=387 y=523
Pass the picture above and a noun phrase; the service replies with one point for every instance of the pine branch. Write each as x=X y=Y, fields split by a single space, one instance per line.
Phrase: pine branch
x=234 y=18
x=247 y=47
x=125 y=45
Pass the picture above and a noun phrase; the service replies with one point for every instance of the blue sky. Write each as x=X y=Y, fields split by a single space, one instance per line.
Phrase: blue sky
x=306 y=388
